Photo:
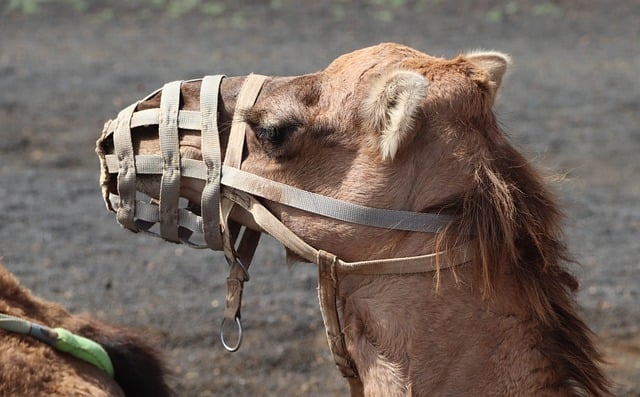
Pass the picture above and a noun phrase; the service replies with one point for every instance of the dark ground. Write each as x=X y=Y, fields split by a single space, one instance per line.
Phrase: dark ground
x=572 y=102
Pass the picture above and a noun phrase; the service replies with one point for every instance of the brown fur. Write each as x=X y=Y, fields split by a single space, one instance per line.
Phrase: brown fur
x=31 y=368
x=518 y=227
x=503 y=324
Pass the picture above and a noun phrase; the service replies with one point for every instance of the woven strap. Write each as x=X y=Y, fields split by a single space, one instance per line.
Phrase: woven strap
x=331 y=207
x=240 y=257
x=187 y=119
x=210 y=203
x=170 y=148
x=247 y=97
x=176 y=224
x=268 y=222
x=126 y=169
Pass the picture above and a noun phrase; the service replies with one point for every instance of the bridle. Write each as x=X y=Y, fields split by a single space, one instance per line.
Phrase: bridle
x=227 y=186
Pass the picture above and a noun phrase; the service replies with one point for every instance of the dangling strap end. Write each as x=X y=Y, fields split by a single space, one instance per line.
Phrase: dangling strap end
x=232 y=312
x=327 y=295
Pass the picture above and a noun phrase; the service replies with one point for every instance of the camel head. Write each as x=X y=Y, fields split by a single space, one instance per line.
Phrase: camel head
x=393 y=128
x=386 y=127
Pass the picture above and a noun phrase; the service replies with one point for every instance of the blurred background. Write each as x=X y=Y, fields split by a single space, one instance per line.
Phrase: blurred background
x=571 y=102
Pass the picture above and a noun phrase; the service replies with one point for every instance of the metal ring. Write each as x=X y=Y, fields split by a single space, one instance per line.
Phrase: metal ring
x=235 y=347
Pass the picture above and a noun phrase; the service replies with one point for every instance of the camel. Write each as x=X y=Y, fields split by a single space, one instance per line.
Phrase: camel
x=30 y=367
x=390 y=127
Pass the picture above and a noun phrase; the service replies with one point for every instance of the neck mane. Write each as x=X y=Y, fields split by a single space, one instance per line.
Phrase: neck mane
x=517 y=223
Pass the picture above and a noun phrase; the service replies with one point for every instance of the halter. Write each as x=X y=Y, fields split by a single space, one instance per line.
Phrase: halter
x=226 y=187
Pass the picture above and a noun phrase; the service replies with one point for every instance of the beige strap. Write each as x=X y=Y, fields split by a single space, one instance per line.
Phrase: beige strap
x=331 y=207
x=240 y=257
x=272 y=225
x=233 y=158
x=151 y=164
x=126 y=169
x=406 y=265
x=436 y=261
x=210 y=142
x=170 y=148
x=247 y=97
x=327 y=295
x=147 y=215
x=187 y=119
x=238 y=272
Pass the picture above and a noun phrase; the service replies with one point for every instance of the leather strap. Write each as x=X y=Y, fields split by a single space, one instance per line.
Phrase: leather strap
x=328 y=297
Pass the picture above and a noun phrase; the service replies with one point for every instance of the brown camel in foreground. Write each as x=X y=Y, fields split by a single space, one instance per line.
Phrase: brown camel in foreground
x=391 y=127
x=30 y=368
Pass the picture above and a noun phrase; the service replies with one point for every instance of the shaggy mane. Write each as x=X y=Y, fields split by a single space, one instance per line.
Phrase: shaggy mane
x=517 y=221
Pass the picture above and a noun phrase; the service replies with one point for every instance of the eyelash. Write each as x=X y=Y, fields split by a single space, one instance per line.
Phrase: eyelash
x=271 y=134
x=275 y=134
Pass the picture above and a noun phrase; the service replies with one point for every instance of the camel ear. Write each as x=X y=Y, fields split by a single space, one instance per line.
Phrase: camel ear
x=391 y=106
x=494 y=63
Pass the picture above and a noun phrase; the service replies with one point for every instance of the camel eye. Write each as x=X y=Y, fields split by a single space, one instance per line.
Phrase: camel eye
x=269 y=134
x=276 y=134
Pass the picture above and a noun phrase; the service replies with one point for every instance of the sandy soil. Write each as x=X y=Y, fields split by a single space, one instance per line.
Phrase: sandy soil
x=572 y=102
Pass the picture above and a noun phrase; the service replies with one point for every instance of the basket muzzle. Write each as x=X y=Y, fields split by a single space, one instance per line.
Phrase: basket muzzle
x=128 y=179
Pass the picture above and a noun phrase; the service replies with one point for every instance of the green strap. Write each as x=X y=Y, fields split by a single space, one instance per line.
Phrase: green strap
x=84 y=349
x=61 y=340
